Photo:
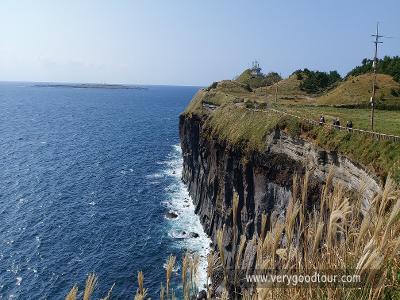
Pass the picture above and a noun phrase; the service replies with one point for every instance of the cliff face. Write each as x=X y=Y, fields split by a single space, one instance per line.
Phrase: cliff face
x=214 y=171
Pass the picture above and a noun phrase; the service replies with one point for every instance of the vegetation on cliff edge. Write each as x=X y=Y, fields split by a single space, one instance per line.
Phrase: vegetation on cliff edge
x=232 y=120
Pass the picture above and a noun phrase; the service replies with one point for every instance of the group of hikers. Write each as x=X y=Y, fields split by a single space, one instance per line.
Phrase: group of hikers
x=336 y=123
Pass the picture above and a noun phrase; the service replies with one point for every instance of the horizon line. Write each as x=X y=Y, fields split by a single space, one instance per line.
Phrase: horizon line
x=97 y=83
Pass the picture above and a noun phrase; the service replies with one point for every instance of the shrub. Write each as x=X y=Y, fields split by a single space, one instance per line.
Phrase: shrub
x=388 y=65
x=317 y=81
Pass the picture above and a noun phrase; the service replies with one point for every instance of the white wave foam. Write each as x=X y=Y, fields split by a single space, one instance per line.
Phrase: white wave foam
x=155 y=176
x=188 y=222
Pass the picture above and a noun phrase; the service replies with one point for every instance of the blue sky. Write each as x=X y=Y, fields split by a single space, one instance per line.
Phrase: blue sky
x=186 y=42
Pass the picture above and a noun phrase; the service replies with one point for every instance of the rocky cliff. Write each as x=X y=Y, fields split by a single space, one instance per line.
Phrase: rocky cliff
x=214 y=170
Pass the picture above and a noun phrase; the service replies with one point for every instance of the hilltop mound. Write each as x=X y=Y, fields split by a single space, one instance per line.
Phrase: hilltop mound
x=288 y=88
x=357 y=90
x=255 y=81
x=302 y=84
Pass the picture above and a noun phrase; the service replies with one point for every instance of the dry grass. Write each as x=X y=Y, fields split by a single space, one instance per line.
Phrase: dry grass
x=162 y=292
x=108 y=297
x=225 y=295
x=263 y=224
x=141 y=292
x=91 y=282
x=185 y=267
x=168 y=270
x=221 y=249
x=337 y=236
x=190 y=266
x=73 y=293
x=235 y=204
x=194 y=267
x=173 y=295
x=213 y=266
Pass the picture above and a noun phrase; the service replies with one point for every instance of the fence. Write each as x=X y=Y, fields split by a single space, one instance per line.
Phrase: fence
x=375 y=135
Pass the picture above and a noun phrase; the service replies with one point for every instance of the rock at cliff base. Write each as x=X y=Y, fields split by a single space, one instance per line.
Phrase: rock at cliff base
x=202 y=295
x=193 y=235
x=171 y=215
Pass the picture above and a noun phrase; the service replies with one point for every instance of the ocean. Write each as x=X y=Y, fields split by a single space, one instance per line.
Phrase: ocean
x=87 y=176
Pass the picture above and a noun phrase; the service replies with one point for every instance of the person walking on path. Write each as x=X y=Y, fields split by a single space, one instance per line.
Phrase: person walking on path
x=349 y=125
x=336 y=123
x=321 y=120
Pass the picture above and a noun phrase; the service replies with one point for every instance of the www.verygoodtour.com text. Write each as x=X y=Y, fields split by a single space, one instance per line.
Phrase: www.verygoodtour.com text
x=281 y=279
x=296 y=279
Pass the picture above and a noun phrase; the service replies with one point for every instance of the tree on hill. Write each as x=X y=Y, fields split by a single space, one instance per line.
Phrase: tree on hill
x=317 y=81
x=388 y=65
x=256 y=81
x=272 y=78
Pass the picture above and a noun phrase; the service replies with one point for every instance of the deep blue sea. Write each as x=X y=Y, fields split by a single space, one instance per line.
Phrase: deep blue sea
x=86 y=177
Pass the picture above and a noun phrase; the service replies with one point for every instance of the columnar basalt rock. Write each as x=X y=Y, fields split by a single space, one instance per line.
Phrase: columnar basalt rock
x=214 y=170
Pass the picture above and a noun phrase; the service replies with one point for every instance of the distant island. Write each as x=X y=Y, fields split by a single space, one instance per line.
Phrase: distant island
x=90 y=86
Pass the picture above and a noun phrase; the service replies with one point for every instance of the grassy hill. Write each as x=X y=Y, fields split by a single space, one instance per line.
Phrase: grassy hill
x=357 y=90
x=288 y=89
x=302 y=85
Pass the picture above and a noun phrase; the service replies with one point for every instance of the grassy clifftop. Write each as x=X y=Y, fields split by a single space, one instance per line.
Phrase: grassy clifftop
x=236 y=115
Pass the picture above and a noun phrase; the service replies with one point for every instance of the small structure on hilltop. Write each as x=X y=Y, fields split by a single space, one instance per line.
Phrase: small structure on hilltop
x=255 y=69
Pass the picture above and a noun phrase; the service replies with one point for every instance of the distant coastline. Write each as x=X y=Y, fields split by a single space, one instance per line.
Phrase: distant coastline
x=91 y=86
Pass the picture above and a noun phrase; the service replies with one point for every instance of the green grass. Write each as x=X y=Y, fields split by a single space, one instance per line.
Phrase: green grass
x=381 y=157
x=242 y=127
x=387 y=122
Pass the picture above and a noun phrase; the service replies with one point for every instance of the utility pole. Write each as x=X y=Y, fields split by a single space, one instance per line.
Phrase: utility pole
x=372 y=100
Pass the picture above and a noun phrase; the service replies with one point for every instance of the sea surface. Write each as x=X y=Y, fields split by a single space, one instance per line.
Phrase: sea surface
x=86 y=178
